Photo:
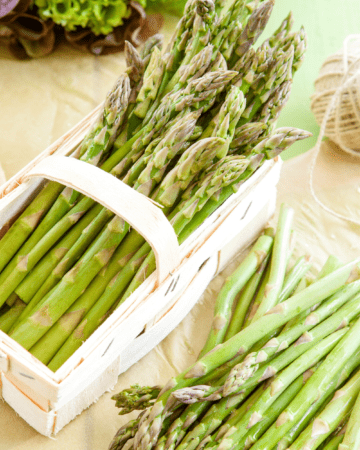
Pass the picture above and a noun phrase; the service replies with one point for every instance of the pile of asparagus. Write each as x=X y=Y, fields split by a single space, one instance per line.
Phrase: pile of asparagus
x=185 y=127
x=280 y=368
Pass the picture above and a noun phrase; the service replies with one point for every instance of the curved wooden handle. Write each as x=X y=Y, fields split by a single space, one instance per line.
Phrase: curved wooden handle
x=135 y=208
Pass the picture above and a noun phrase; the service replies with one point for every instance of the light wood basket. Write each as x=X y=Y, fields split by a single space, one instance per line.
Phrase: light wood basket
x=48 y=400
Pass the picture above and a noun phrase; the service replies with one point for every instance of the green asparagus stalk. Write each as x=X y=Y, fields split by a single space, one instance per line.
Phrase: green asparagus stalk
x=135 y=64
x=9 y=318
x=124 y=433
x=351 y=439
x=135 y=398
x=278 y=262
x=293 y=277
x=258 y=297
x=335 y=442
x=232 y=285
x=331 y=264
x=155 y=41
x=252 y=30
x=318 y=405
x=244 y=301
x=200 y=32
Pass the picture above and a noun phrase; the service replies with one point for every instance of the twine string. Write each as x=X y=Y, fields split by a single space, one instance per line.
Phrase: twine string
x=335 y=102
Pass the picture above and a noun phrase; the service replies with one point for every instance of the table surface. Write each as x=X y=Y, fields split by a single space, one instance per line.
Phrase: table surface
x=42 y=99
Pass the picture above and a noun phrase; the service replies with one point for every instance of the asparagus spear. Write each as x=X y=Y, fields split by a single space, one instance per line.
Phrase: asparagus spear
x=258 y=297
x=331 y=264
x=232 y=285
x=135 y=398
x=288 y=336
x=334 y=443
x=252 y=31
x=351 y=439
x=244 y=301
x=278 y=262
x=125 y=433
x=7 y=319
x=318 y=405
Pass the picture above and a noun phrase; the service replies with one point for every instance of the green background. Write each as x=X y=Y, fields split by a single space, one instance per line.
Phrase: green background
x=327 y=23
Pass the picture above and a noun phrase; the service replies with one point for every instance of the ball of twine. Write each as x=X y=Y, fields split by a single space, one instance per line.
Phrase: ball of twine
x=336 y=101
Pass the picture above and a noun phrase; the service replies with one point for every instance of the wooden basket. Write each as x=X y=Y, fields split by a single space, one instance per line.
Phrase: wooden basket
x=48 y=400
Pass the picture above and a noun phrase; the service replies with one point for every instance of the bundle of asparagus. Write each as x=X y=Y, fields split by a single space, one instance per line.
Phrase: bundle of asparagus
x=280 y=367
x=186 y=128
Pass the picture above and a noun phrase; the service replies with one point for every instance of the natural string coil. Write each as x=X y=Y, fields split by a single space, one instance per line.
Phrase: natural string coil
x=336 y=106
x=337 y=96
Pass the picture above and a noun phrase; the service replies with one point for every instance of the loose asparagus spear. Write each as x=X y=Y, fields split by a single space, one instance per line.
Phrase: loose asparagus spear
x=294 y=276
x=244 y=301
x=351 y=439
x=334 y=443
x=136 y=398
x=278 y=262
x=232 y=285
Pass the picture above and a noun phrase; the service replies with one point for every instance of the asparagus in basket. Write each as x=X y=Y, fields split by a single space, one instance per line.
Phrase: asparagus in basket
x=199 y=94
x=192 y=76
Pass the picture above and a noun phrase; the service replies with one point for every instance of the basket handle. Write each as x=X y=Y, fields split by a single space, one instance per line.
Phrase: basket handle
x=137 y=209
